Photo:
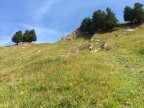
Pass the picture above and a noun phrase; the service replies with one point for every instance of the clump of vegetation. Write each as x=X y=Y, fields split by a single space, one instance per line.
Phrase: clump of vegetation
x=17 y=37
x=86 y=25
x=101 y=21
x=28 y=36
x=141 y=51
x=134 y=15
x=111 y=20
x=106 y=21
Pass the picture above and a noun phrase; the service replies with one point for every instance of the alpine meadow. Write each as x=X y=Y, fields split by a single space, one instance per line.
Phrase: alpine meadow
x=99 y=65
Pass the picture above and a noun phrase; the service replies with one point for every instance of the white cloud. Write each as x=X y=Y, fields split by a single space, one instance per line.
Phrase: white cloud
x=45 y=34
x=42 y=10
x=41 y=30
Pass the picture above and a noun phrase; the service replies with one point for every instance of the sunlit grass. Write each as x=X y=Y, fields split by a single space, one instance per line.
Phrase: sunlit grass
x=68 y=75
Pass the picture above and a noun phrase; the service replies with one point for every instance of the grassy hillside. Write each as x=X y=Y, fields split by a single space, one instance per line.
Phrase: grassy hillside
x=67 y=75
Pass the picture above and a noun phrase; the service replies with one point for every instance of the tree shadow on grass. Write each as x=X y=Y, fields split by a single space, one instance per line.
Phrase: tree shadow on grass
x=84 y=35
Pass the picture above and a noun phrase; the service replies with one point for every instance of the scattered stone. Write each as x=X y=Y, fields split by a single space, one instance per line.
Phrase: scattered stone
x=74 y=33
x=130 y=29
x=91 y=47
x=63 y=38
x=104 y=45
x=96 y=50
x=97 y=43
x=92 y=40
x=38 y=51
x=67 y=38
x=97 y=40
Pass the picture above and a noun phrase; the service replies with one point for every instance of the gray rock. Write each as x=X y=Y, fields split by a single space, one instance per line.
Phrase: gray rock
x=69 y=38
x=92 y=40
x=97 y=43
x=91 y=47
x=97 y=40
x=104 y=45
x=63 y=38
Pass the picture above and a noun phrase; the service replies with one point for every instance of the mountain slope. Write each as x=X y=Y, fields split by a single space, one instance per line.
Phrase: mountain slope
x=67 y=74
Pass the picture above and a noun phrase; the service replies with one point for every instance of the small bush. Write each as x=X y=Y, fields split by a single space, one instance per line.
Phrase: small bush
x=141 y=51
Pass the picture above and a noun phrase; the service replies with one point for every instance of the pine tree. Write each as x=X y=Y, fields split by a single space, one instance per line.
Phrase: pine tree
x=17 y=37
x=111 y=20
x=86 y=25
x=29 y=36
x=128 y=14
x=32 y=36
x=98 y=20
x=138 y=13
x=25 y=36
x=134 y=15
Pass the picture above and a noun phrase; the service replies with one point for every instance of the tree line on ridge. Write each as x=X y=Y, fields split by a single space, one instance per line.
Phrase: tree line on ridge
x=101 y=21
x=104 y=21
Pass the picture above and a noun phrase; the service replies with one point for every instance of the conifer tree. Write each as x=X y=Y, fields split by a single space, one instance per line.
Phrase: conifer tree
x=128 y=14
x=32 y=36
x=134 y=15
x=138 y=13
x=25 y=36
x=98 y=20
x=29 y=36
x=17 y=37
x=111 y=20
x=86 y=25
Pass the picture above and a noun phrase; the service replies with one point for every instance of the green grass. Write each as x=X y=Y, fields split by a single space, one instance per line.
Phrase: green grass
x=68 y=75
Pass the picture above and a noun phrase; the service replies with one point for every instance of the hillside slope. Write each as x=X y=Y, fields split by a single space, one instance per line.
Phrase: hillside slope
x=66 y=74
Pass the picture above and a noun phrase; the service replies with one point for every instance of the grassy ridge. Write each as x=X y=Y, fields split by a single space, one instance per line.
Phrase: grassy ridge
x=66 y=74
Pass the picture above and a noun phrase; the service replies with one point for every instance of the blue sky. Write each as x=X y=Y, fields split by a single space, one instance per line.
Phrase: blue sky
x=51 y=19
